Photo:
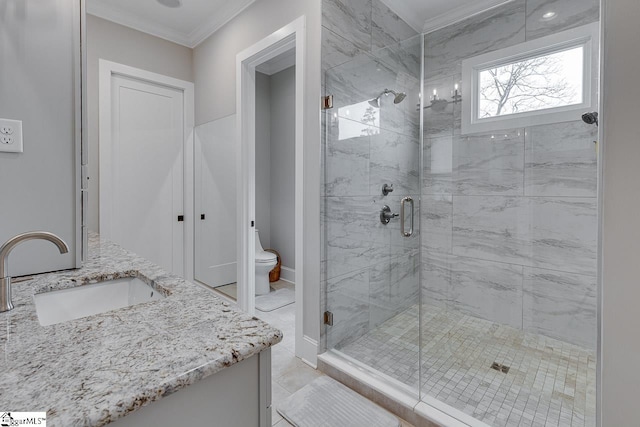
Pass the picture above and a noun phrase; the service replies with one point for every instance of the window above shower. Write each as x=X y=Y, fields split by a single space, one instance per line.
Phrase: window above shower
x=547 y=80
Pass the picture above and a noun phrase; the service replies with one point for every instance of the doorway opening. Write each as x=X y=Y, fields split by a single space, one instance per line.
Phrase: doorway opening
x=275 y=183
x=273 y=188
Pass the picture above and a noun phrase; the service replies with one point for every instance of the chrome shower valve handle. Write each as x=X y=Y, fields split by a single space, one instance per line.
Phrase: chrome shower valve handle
x=386 y=215
x=386 y=189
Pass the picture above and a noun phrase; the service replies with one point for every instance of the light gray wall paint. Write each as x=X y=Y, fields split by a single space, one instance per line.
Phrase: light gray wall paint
x=621 y=202
x=282 y=192
x=38 y=190
x=263 y=158
x=113 y=42
x=275 y=162
x=215 y=73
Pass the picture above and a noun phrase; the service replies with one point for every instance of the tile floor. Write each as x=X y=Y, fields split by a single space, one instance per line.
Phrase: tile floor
x=231 y=290
x=549 y=383
x=289 y=374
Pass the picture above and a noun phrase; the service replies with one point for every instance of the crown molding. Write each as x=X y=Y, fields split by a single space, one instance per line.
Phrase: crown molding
x=137 y=23
x=216 y=21
x=461 y=13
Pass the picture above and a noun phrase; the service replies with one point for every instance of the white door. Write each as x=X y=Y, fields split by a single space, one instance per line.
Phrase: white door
x=215 y=184
x=142 y=172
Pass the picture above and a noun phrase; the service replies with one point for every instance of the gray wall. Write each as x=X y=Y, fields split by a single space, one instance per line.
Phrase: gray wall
x=37 y=86
x=215 y=72
x=510 y=224
x=283 y=165
x=263 y=158
x=619 y=222
x=370 y=272
x=113 y=42
x=275 y=162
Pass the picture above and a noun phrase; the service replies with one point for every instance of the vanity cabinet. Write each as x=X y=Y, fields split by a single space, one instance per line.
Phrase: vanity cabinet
x=237 y=396
x=189 y=358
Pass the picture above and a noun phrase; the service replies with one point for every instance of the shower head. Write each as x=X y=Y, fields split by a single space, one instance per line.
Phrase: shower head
x=398 y=97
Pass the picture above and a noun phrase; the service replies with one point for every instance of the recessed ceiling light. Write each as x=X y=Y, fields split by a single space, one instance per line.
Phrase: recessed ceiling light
x=170 y=3
x=549 y=16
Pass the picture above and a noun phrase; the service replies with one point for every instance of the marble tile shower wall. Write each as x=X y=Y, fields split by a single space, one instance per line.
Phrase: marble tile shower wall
x=370 y=273
x=509 y=219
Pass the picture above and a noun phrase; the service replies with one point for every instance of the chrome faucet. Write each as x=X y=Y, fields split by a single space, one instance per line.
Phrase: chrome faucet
x=5 y=250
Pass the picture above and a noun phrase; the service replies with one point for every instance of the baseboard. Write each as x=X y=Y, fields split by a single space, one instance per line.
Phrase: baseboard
x=218 y=275
x=308 y=351
x=288 y=274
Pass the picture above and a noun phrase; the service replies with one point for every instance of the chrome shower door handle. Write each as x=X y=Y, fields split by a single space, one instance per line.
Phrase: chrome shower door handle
x=402 y=217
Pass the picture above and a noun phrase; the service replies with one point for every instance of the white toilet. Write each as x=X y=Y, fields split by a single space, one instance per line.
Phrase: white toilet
x=265 y=261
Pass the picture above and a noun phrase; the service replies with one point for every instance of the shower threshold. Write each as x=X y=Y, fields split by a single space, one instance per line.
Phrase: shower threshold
x=391 y=394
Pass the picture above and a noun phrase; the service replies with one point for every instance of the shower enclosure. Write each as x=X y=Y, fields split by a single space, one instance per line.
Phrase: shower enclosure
x=372 y=148
x=459 y=266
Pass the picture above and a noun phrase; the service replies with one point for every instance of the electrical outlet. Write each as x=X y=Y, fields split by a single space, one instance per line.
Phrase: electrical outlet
x=11 y=136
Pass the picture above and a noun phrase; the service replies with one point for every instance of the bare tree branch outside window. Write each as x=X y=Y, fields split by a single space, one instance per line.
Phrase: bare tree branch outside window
x=370 y=117
x=359 y=119
x=543 y=82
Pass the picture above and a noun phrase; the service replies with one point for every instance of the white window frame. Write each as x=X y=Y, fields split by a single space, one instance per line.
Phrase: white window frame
x=586 y=36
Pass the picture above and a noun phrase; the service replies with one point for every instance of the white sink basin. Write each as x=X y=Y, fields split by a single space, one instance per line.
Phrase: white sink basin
x=86 y=300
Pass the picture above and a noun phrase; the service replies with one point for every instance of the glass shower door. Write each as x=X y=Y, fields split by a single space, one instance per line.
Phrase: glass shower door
x=371 y=220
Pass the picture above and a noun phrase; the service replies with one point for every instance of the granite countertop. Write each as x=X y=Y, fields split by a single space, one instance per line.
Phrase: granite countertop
x=91 y=371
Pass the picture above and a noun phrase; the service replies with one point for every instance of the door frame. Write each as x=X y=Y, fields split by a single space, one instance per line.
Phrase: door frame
x=291 y=36
x=107 y=69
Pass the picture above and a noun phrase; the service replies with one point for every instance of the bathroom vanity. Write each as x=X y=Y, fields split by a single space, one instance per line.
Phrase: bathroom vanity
x=167 y=352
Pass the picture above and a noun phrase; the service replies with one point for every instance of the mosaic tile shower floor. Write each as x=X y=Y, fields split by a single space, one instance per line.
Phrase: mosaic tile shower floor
x=549 y=383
